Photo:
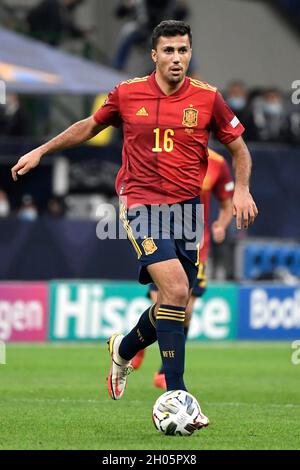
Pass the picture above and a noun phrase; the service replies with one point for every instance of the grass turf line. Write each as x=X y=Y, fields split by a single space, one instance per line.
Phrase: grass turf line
x=54 y=397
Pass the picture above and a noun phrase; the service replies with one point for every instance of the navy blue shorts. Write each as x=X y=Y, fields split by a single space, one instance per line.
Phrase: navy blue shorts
x=157 y=240
x=199 y=285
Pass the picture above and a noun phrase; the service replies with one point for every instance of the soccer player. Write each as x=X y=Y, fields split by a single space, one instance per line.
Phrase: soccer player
x=166 y=118
x=217 y=181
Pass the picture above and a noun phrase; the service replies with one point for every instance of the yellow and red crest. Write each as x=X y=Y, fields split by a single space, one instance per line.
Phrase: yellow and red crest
x=149 y=246
x=190 y=117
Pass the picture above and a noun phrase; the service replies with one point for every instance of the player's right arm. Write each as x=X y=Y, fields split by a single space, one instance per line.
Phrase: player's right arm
x=76 y=134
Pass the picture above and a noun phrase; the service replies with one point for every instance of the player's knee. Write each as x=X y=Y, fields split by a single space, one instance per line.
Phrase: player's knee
x=177 y=293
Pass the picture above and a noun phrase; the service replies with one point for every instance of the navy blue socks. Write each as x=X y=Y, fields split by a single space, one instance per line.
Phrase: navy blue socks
x=185 y=332
x=141 y=336
x=171 y=340
x=171 y=335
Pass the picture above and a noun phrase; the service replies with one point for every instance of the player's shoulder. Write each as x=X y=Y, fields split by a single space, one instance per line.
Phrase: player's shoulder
x=134 y=81
x=216 y=157
x=202 y=85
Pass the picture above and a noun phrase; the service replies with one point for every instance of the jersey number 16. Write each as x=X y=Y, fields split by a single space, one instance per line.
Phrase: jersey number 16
x=168 y=143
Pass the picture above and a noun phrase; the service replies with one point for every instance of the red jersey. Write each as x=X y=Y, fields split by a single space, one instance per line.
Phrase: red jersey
x=164 y=158
x=218 y=181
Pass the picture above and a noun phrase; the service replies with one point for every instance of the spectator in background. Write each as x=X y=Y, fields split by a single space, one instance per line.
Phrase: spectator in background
x=56 y=207
x=268 y=120
x=143 y=16
x=237 y=98
x=4 y=204
x=51 y=21
x=13 y=117
x=28 y=210
x=294 y=122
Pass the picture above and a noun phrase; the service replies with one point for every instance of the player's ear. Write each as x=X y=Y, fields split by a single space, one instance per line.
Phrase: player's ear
x=154 y=55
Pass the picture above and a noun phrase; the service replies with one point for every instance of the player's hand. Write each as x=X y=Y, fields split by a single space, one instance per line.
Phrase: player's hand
x=218 y=232
x=244 y=208
x=26 y=163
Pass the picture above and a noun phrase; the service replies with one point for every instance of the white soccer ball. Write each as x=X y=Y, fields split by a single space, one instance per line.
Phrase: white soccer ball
x=178 y=413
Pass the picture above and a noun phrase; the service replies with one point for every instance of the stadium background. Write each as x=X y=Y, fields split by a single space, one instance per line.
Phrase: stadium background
x=59 y=283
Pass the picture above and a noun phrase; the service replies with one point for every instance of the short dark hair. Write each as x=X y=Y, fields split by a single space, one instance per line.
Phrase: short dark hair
x=170 y=28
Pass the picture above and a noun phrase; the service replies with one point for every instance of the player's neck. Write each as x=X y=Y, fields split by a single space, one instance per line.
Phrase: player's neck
x=166 y=87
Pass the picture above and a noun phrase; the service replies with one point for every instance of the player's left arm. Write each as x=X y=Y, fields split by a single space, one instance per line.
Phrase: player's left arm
x=228 y=130
x=220 y=225
x=244 y=207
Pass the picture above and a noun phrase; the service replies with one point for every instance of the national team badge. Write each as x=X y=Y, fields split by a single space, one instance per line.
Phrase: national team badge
x=149 y=246
x=190 y=117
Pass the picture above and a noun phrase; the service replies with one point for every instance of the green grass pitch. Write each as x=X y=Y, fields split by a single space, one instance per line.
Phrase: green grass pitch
x=54 y=396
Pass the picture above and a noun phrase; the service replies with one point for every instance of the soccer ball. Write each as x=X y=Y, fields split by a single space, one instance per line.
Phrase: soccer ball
x=178 y=413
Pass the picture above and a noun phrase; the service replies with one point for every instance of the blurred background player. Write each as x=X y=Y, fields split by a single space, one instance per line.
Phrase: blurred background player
x=51 y=21
x=142 y=16
x=4 y=204
x=218 y=181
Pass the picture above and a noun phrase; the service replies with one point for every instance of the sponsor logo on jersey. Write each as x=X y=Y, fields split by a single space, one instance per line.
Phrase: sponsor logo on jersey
x=142 y=112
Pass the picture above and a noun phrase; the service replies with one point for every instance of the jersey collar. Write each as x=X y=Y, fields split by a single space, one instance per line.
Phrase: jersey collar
x=155 y=87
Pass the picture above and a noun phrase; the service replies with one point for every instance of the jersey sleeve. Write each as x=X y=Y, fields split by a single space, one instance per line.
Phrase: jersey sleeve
x=109 y=113
x=224 y=123
x=223 y=189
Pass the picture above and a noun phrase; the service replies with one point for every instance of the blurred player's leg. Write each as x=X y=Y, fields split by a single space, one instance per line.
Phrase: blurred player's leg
x=138 y=359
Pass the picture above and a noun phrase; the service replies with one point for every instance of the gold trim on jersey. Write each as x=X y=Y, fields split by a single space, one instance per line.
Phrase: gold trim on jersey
x=135 y=80
x=129 y=231
x=203 y=85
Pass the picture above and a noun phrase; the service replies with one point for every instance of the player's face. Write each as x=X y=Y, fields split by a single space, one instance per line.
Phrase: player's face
x=172 y=57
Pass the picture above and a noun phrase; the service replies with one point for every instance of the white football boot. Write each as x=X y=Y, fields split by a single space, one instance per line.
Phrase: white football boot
x=119 y=370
